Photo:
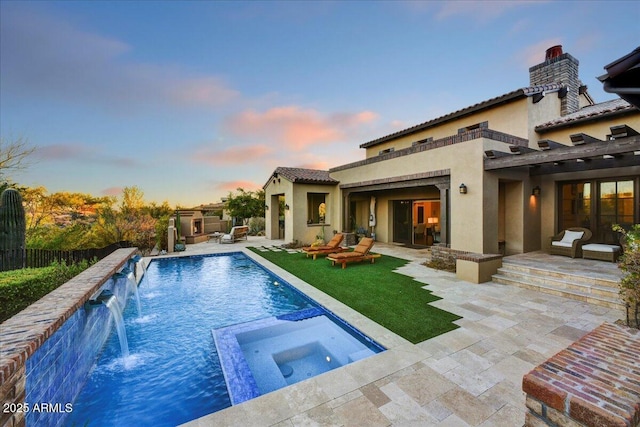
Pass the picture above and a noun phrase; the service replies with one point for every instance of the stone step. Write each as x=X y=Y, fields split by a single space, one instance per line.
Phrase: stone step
x=608 y=289
x=576 y=294
x=575 y=278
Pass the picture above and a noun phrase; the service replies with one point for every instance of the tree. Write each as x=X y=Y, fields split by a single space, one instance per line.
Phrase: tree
x=246 y=204
x=130 y=222
x=13 y=156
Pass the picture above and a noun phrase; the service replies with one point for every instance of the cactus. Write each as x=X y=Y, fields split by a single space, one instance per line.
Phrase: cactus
x=12 y=230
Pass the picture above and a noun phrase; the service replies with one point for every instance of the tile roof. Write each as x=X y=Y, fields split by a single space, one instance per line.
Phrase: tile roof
x=305 y=176
x=507 y=97
x=590 y=112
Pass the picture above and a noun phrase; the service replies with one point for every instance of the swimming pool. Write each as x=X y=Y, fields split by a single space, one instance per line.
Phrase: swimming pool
x=174 y=374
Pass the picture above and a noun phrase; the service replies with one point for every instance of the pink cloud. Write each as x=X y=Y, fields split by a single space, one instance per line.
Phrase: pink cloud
x=232 y=155
x=82 y=152
x=112 y=191
x=232 y=186
x=46 y=56
x=484 y=11
x=206 y=91
x=295 y=127
x=318 y=165
x=534 y=54
x=61 y=151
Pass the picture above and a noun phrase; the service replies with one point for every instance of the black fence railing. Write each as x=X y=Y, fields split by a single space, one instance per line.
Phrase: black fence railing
x=37 y=258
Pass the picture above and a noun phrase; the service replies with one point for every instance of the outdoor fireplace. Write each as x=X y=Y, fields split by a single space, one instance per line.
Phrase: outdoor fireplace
x=197 y=226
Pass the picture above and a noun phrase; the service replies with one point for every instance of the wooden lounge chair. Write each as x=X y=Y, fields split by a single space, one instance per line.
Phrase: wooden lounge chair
x=360 y=253
x=569 y=242
x=332 y=247
x=236 y=233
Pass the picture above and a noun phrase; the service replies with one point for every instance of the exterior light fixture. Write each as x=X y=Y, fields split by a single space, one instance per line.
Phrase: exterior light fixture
x=463 y=189
x=536 y=191
x=266 y=207
x=286 y=207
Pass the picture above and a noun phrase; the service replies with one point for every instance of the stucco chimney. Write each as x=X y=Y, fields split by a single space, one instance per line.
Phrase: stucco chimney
x=559 y=67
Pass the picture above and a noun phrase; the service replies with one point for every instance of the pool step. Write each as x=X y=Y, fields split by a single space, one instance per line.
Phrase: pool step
x=597 y=291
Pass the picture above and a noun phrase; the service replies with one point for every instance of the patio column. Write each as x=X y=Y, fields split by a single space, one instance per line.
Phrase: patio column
x=445 y=221
x=346 y=210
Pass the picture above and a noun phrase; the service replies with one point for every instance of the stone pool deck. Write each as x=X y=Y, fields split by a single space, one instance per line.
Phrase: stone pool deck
x=471 y=376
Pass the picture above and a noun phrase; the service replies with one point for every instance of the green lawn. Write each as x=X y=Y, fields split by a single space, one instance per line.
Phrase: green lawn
x=393 y=300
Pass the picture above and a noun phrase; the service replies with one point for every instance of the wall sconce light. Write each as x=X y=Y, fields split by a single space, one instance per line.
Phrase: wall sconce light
x=463 y=189
x=266 y=207
x=286 y=207
x=536 y=191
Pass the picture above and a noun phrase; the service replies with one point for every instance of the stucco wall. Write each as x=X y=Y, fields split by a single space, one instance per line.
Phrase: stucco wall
x=509 y=118
x=306 y=233
x=598 y=130
x=474 y=216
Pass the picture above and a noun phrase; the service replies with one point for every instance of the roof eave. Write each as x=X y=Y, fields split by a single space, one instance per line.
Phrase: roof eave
x=508 y=97
x=586 y=119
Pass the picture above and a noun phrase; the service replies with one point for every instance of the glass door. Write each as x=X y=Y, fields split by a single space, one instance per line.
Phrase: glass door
x=402 y=225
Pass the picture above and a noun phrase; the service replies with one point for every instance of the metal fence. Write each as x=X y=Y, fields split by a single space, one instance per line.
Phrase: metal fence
x=36 y=258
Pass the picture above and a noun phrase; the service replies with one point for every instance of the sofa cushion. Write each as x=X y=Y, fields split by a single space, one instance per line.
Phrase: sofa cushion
x=570 y=236
x=596 y=247
x=562 y=244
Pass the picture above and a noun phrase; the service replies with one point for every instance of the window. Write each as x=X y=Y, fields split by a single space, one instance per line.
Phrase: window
x=314 y=200
x=616 y=207
x=597 y=205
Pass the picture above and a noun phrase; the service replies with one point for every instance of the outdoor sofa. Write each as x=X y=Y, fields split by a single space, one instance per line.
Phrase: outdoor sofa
x=569 y=242
x=236 y=233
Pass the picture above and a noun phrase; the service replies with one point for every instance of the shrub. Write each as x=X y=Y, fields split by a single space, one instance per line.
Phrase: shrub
x=21 y=288
x=256 y=226
x=630 y=265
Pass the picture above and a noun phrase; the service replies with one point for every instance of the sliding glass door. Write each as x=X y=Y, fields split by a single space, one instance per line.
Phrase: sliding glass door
x=597 y=205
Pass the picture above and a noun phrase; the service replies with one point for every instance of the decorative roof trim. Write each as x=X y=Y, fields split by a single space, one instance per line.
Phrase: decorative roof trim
x=442 y=142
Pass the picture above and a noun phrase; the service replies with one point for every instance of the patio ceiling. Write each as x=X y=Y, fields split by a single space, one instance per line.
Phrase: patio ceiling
x=586 y=153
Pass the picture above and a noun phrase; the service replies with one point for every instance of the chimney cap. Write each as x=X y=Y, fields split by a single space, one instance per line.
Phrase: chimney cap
x=553 y=52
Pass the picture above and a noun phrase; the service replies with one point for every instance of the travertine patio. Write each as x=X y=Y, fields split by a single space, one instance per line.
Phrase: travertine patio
x=468 y=377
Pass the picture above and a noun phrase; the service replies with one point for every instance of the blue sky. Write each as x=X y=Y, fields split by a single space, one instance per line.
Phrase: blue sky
x=189 y=100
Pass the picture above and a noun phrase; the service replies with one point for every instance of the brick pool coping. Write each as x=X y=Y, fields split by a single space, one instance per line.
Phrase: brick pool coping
x=22 y=334
x=594 y=381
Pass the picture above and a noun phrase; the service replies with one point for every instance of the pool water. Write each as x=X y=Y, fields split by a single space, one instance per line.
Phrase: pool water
x=173 y=373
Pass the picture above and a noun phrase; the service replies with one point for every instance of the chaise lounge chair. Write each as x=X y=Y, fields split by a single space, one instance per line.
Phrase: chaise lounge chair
x=569 y=242
x=360 y=253
x=332 y=247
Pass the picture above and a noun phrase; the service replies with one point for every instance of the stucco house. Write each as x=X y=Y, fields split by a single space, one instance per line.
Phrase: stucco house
x=500 y=176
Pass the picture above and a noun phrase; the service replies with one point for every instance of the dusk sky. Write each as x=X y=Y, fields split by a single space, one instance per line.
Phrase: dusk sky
x=190 y=100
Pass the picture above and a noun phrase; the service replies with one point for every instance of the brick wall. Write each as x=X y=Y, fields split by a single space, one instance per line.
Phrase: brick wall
x=443 y=255
x=593 y=382
x=22 y=335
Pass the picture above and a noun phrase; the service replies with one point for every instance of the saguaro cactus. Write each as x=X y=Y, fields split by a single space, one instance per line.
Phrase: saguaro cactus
x=12 y=230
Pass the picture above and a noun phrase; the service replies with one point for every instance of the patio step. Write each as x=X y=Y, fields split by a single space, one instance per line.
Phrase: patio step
x=597 y=291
